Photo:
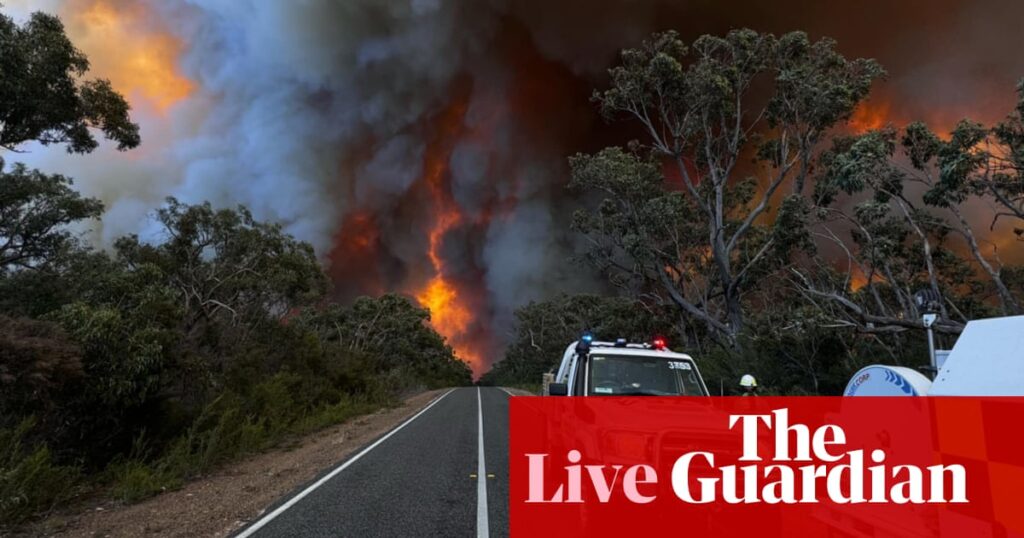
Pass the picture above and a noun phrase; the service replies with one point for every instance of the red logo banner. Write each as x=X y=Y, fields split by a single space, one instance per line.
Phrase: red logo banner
x=767 y=467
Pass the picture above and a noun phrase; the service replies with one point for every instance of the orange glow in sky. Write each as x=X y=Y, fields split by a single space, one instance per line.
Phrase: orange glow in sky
x=870 y=115
x=125 y=44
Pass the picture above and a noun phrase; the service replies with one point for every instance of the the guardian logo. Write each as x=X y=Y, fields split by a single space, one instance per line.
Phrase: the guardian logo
x=831 y=474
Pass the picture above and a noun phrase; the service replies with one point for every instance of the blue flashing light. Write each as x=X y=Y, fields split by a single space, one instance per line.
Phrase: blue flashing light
x=583 y=346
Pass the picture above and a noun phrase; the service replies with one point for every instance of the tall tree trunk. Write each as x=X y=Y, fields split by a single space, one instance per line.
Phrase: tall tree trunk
x=734 y=311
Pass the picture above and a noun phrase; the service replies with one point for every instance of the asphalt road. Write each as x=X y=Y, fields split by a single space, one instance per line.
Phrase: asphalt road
x=426 y=477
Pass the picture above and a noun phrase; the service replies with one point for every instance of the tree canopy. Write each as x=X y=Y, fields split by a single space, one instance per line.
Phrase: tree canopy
x=682 y=217
x=35 y=209
x=213 y=340
x=43 y=96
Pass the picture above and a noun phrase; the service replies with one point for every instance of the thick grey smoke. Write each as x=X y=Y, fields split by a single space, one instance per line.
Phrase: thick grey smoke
x=304 y=88
x=307 y=111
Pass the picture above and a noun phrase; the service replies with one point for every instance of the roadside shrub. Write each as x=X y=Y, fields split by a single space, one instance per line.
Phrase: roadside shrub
x=232 y=426
x=134 y=480
x=30 y=482
x=37 y=362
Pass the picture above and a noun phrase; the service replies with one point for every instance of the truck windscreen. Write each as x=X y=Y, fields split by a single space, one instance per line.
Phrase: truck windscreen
x=612 y=375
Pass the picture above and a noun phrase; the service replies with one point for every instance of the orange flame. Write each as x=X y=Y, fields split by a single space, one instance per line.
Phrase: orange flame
x=125 y=45
x=857 y=278
x=449 y=313
x=870 y=115
x=858 y=281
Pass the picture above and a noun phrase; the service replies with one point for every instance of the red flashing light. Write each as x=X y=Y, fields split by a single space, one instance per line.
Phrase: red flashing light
x=659 y=343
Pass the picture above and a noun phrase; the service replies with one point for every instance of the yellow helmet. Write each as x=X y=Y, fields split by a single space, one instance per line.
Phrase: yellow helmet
x=748 y=381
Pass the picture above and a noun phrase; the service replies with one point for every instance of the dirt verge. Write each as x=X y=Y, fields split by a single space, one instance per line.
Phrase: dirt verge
x=224 y=501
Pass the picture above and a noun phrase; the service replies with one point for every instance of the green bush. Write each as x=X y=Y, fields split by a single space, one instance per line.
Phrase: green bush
x=30 y=481
x=135 y=480
x=228 y=428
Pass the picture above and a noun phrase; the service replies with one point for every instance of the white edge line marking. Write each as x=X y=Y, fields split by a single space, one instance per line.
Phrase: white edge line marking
x=482 y=527
x=507 y=391
x=291 y=502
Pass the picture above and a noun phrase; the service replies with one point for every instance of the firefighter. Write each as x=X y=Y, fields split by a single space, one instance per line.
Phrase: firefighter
x=749 y=385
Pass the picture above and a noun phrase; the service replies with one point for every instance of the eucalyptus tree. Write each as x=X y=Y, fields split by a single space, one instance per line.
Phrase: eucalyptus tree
x=44 y=97
x=728 y=125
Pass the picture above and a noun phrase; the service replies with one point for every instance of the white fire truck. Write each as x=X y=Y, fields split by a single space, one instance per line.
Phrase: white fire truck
x=620 y=368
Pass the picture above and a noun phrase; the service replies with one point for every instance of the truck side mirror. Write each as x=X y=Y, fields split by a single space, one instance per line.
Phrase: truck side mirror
x=558 y=389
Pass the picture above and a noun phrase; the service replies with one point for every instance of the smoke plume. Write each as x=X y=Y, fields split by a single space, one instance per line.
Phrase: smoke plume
x=420 y=145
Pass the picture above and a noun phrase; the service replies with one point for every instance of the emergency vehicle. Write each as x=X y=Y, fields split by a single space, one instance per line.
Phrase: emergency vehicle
x=620 y=368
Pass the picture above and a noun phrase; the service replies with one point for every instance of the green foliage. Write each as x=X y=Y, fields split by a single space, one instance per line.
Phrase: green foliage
x=958 y=160
x=394 y=329
x=231 y=426
x=790 y=233
x=226 y=267
x=854 y=164
x=909 y=226
x=817 y=86
x=124 y=352
x=38 y=363
x=134 y=480
x=795 y=349
x=159 y=362
x=35 y=208
x=42 y=94
x=30 y=481
x=679 y=217
x=1010 y=133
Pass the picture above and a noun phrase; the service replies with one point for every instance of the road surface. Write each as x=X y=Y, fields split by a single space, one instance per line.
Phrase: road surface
x=444 y=472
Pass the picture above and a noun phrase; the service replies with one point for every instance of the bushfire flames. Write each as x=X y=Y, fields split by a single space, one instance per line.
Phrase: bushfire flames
x=449 y=313
x=358 y=266
x=870 y=115
x=127 y=47
x=127 y=43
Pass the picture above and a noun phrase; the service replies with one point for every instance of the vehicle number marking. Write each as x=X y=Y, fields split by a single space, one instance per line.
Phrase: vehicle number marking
x=678 y=365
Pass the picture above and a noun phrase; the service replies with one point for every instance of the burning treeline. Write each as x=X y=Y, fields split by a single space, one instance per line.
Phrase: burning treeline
x=420 y=146
x=451 y=298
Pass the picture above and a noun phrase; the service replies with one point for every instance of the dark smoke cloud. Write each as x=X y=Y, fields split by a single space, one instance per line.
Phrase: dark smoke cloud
x=311 y=112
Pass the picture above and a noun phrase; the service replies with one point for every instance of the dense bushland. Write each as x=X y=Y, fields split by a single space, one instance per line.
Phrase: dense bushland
x=139 y=368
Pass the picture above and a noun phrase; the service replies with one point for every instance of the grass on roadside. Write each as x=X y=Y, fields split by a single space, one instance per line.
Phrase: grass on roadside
x=30 y=481
x=225 y=432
